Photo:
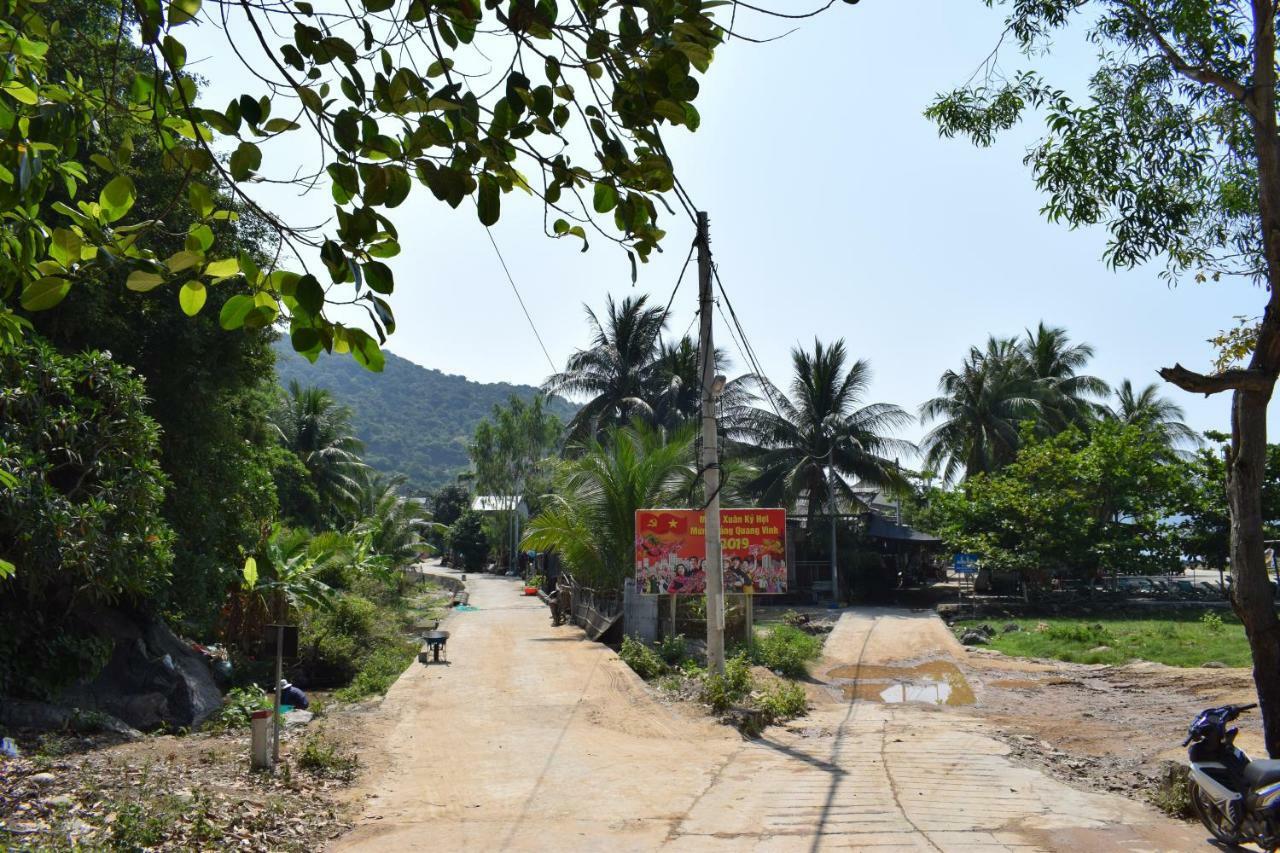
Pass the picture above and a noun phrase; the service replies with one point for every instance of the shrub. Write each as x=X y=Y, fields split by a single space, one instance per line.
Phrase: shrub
x=321 y=757
x=722 y=692
x=641 y=658
x=1095 y=634
x=794 y=619
x=786 y=650
x=1212 y=622
x=785 y=700
x=238 y=706
x=672 y=649
x=81 y=500
x=378 y=671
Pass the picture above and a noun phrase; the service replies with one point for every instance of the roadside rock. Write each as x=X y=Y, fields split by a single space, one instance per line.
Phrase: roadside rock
x=42 y=716
x=1099 y=649
x=298 y=717
x=974 y=638
x=1011 y=628
x=152 y=680
x=1214 y=664
x=43 y=780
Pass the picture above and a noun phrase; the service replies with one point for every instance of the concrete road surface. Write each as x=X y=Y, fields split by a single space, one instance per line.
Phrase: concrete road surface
x=534 y=739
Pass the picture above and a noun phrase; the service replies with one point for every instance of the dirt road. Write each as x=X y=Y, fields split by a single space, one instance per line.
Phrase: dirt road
x=532 y=739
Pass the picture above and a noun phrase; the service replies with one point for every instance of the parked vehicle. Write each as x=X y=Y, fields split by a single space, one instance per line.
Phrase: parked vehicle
x=1237 y=799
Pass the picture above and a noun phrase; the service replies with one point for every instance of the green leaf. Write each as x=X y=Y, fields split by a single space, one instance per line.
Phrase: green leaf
x=234 y=310
x=310 y=295
x=378 y=276
x=201 y=199
x=245 y=160
x=192 y=296
x=250 y=573
x=19 y=92
x=44 y=294
x=117 y=197
x=365 y=351
x=175 y=52
x=182 y=11
x=223 y=268
x=279 y=125
x=7 y=569
x=142 y=281
x=489 y=205
x=199 y=237
x=606 y=197
x=183 y=260
x=304 y=338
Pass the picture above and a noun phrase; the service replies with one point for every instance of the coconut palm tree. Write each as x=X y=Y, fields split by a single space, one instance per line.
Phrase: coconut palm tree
x=615 y=372
x=1069 y=397
x=393 y=524
x=590 y=518
x=318 y=431
x=1147 y=408
x=980 y=410
x=823 y=416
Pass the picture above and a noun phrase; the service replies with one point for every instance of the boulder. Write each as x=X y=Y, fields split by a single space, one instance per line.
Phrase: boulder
x=1011 y=627
x=152 y=679
x=974 y=638
x=1214 y=664
x=42 y=716
x=297 y=717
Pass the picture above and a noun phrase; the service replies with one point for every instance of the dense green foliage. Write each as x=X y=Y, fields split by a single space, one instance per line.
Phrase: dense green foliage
x=1204 y=524
x=1074 y=505
x=81 y=493
x=468 y=539
x=411 y=420
x=394 y=126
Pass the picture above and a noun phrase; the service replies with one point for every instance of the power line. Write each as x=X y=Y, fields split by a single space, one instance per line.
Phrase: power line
x=752 y=360
x=520 y=298
x=679 y=279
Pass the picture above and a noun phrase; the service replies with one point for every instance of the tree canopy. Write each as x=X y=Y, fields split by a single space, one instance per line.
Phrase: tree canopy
x=391 y=93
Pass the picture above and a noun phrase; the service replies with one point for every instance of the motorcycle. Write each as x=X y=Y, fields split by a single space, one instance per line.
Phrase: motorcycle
x=1237 y=799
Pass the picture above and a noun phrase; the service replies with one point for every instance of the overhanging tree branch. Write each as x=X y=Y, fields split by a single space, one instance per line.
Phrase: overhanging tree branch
x=1238 y=379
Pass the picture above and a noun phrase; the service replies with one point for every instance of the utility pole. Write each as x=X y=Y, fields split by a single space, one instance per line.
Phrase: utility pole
x=711 y=387
x=831 y=508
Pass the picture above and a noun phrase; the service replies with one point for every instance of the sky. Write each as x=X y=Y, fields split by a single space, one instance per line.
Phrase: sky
x=836 y=212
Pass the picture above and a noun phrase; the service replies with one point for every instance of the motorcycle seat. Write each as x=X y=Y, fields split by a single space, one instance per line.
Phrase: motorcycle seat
x=1262 y=772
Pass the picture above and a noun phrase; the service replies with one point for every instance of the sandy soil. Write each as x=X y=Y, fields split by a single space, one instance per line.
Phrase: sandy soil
x=533 y=739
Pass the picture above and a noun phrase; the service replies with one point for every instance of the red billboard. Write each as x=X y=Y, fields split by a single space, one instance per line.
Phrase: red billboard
x=671 y=552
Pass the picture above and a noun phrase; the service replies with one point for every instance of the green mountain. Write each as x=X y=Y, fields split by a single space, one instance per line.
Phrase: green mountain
x=412 y=420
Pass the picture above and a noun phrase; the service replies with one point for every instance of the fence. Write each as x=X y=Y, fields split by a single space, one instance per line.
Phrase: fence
x=591 y=610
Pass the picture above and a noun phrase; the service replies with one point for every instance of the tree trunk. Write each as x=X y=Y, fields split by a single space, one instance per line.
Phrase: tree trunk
x=1251 y=595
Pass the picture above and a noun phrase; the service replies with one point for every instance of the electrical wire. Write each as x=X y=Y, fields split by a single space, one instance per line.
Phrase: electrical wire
x=667 y=310
x=752 y=360
x=520 y=299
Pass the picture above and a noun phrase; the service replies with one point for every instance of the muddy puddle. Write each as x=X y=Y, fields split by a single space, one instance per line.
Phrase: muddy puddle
x=933 y=682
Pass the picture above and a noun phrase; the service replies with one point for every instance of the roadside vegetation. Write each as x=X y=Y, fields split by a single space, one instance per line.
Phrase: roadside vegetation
x=749 y=700
x=1173 y=639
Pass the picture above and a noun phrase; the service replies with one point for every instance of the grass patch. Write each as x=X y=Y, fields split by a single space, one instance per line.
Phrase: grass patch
x=321 y=757
x=378 y=671
x=1171 y=639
